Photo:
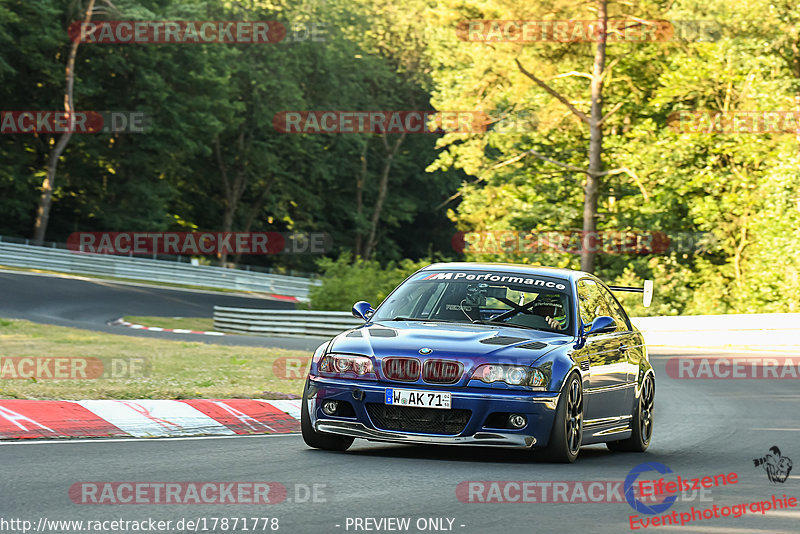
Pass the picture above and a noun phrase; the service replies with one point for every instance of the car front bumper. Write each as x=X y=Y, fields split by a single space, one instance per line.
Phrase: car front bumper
x=538 y=407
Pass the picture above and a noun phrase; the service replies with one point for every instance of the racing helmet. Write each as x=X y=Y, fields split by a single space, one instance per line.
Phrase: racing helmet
x=551 y=305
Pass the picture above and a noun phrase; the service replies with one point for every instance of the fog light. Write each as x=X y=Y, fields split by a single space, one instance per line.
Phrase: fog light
x=329 y=407
x=516 y=420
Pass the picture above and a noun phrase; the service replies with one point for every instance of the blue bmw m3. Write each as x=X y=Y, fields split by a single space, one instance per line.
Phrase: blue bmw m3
x=486 y=354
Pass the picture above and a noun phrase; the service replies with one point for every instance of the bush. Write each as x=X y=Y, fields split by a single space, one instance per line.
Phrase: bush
x=345 y=282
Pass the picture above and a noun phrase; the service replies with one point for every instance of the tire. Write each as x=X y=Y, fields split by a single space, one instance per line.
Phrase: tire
x=567 y=432
x=320 y=440
x=642 y=425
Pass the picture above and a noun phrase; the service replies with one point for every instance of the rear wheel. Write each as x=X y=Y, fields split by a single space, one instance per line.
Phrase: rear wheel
x=319 y=440
x=567 y=433
x=642 y=424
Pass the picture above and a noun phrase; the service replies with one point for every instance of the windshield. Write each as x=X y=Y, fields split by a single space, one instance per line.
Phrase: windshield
x=520 y=300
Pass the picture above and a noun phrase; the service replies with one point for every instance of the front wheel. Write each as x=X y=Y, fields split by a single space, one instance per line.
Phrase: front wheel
x=642 y=425
x=319 y=440
x=567 y=433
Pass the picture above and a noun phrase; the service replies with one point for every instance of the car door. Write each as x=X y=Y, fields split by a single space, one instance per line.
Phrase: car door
x=630 y=346
x=608 y=394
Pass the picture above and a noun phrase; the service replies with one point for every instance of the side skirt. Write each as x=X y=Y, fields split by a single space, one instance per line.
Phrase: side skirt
x=608 y=429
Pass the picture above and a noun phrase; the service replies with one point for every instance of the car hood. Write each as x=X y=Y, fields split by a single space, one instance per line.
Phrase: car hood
x=476 y=343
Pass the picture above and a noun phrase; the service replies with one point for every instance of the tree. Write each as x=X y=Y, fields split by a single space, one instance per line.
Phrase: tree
x=45 y=201
x=532 y=60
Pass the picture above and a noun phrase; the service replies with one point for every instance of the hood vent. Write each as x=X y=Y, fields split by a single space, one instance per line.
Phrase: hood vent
x=536 y=345
x=382 y=332
x=502 y=340
x=354 y=333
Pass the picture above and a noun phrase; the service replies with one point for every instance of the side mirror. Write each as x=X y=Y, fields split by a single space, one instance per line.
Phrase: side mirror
x=647 y=293
x=362 y=310
x=601 y=325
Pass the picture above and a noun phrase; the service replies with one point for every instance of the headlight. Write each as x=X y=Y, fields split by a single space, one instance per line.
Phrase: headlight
x=346 y=365
x=514 y=375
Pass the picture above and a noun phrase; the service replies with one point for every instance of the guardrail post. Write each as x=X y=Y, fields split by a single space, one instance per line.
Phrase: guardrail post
x=290 y=323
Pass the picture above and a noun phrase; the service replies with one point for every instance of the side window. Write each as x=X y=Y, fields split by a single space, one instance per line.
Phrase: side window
x=616 y=311
x=591 y=301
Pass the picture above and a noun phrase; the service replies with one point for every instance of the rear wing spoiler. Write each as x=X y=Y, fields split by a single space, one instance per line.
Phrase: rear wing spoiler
x=647 y=291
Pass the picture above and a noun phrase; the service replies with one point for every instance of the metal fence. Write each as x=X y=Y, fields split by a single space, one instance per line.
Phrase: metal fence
x=145 y=269
x=282 y=322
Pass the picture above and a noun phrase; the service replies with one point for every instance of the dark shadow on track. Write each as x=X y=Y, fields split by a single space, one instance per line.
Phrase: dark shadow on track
x=482 y=455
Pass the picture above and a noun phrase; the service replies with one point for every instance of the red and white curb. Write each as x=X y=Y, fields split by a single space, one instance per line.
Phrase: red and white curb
x=287 y=298
x=120 y=322
x=20 y=419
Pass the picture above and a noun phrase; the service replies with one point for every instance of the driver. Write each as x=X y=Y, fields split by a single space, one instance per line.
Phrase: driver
x=551 y=307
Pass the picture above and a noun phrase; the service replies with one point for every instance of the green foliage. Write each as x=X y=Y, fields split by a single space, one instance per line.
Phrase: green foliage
x=741 y=189
x=171 y=177
x=345 y=281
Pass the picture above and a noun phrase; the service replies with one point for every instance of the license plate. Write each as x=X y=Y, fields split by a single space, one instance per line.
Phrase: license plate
x=421 y=399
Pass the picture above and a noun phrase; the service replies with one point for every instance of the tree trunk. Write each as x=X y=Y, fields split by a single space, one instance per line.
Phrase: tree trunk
x=46 y=199
x=233 y=190
x=592 y=188
x=360 y=179
x=254 y=209
x=383 y=189
x=796 y=70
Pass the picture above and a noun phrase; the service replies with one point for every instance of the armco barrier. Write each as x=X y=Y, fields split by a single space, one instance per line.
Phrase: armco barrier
x=283 y=322
x=145 y=269
x=775 y=331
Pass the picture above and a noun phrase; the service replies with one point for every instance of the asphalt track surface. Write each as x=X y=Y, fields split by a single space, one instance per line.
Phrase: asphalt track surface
x=703 y=427
x=90 y=304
